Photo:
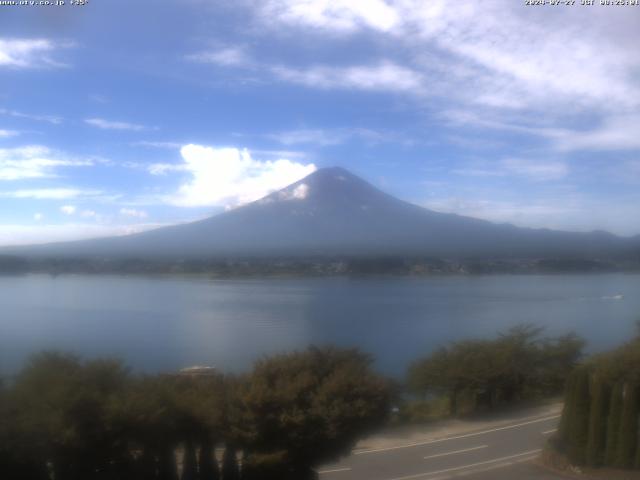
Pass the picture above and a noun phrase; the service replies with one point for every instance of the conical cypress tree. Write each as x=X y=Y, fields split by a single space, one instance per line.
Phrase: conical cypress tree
x=613 y=424
x=189 y=463
x=230 y=470
x=208 y=464
x=628 y=431
x=567 y=411
x=167 y=469
x=579 y=419
x=598 y=422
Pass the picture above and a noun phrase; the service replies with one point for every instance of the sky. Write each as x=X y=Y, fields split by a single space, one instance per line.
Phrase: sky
x=119 y=116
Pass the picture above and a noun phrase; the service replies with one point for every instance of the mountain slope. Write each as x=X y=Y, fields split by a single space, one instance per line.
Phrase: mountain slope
x=334 y=212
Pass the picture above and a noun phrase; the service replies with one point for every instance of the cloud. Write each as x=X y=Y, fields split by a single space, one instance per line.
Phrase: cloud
x=488 y=45
x=68 y=209
x=111 y=125
x=16 y=234
x=335 y=136
x=381 y=76
x=535 y=170
x=8 y=133
x=312 y=136
x=29 y=53
x=164 y=168
x=132 y=212
x=50 y=193
x=227 y=57
x=34 y=161
x=618 y=132
x=230 y=176
x=39 y=118
x=336 y=15
x=614 y=132
x=38 y=217
x=151 y=144
x=88 y=214
x=569 y=212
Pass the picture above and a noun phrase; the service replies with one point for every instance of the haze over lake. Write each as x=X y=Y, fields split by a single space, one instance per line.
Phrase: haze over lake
x=166 y=323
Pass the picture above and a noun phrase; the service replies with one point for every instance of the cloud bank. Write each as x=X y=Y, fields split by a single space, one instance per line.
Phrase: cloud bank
x=230 y=176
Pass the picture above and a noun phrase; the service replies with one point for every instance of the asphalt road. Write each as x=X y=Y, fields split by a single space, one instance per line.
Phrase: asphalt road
x=503 y=452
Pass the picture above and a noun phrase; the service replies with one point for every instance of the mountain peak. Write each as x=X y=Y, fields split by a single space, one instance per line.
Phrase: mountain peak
x=329 y=186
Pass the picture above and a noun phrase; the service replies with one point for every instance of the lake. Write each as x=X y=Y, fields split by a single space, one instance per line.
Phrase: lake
x=166 y=323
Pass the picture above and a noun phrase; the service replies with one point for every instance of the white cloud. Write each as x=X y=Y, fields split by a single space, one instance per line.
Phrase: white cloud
x=229 y=176
x=29 y=53
x=34 y=161
x=381 y=76
x=312 y=136
x=336 y=15
x=50 y=193
x=535 y=170
x=16 y=234
x=8 y=133
x=227 y=57
x=618 y=132
x=164 y=168
x=488 y=44
x=112 y=125
x=478 y=57
x=38 y=217
x=68 y=209
x=54 y=120
x=132 y=212
x=561 y=212
x=151 y=144
x=335 y=136
x=88 y=214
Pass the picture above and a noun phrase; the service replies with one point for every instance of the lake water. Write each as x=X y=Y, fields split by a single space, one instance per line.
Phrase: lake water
x=171 y=322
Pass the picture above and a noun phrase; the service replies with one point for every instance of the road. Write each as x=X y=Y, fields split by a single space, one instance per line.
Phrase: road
x=501 y=452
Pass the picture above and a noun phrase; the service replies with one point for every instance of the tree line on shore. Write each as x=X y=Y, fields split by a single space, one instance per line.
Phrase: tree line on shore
x=67 y=419
x=64 y=418
x=480 y=374
x=601 y=418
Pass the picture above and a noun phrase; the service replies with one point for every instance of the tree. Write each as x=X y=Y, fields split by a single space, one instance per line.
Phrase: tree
x=628 y=429
x=518 y=364
x=230 y=470
x=598 y=422
x=207 y=463
x=579 y=417
x=613 y=424
x=313 y=405
x=62 y=410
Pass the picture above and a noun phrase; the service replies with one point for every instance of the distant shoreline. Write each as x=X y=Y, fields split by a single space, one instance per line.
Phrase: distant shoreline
x=292 y=267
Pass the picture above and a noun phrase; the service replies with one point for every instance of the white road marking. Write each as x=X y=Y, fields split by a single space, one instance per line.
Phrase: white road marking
x=486 y=469
x=455 y=451
x=457 y=437
x=547 y=432
x=471 y=465
x=334 y=470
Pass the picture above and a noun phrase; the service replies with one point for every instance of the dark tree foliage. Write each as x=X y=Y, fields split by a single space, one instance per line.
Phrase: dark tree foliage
x=613 y=406
x=62 y=414
x=601 y=394
x=207 y=462
x=578 y=422
x=628 y=430
x=520 y=364
x=613 y=423
x=313 y=405
x=189 y=462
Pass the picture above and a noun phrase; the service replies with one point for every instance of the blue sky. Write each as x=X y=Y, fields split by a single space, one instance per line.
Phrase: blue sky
x=120 y=116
